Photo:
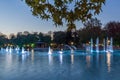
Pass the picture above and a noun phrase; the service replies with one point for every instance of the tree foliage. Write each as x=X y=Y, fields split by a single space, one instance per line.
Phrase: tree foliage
x=3 y=40
x=65 y=11
x=113 y=30
x=59 y=37
x=93 y=22
x=91 y=29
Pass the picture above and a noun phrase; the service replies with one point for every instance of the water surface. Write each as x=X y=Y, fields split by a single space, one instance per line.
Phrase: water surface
x=66 y=66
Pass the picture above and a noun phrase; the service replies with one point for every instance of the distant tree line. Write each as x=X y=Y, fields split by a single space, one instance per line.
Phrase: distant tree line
x=25 y=39
x=92 y=29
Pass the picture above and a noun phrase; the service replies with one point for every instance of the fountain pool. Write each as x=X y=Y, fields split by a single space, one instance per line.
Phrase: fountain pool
x=66 y=66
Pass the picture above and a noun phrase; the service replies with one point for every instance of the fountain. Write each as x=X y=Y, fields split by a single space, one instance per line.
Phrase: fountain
x=61 y=51
x=107 y=45
x=91 y=46
x=104 y=45
x=111 y=44
x=17 y=48
x=23 y=50
x=10 y=50
x=71 y=49
x=2 y=50
x=7 y=49
x=49 y=50
x=97 y=44
x=88 y=48
x=26 y=53
x=68 y=47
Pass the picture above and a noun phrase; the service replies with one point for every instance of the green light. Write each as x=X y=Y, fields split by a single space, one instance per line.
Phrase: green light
x=32 y=45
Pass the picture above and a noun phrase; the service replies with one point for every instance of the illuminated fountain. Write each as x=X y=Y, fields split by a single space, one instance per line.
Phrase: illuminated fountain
x=61 y=51
x=7 y=49
x=104 y=45
x=107 y=45
x=71 y=49
x=111 y=44
x=68 y=47
x=2 y=50
x=91 y=45
x=88 y=48
x=10 y=50
x=17 y=49
x=97 y=45
x=49 y=50
x=23 y=50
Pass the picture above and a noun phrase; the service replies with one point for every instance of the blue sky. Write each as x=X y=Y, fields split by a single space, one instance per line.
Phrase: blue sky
x=15 y=16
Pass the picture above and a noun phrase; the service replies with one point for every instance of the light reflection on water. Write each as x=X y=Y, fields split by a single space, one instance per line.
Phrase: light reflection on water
x=61 y=58
x=72 y=58
x=66 y=66
x=8 y=60
x=88 y=60
x=50 y=58
x=109 y=61
x=23 y=57
x=32 y=55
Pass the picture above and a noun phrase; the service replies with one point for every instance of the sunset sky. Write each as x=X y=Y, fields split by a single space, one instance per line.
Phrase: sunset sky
x=15 y=16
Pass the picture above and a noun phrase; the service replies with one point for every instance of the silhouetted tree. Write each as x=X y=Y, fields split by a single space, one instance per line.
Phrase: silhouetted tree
x=3 y=40
x=93 y=22
x=12 y=38
x=91 y=29
x=113 y=30
x=69 y=37
x=59 y=37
